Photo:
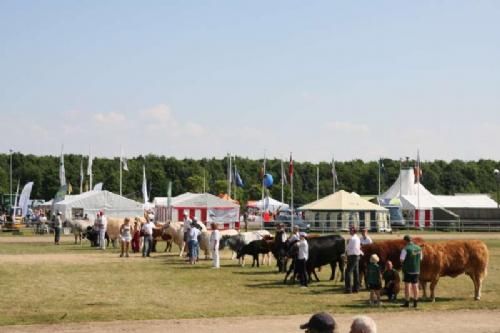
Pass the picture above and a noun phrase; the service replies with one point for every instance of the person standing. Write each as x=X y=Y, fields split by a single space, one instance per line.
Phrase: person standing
x=57 y=228
x=126 y=237
x=410 y=257
x=102 y=223
x=353 y=253
x=193 y=244
x=365 y=239
x=136 y=236
x=147 y=230
x=214 y=245
x=301 y=262
x=374 y=280
x=185 y=228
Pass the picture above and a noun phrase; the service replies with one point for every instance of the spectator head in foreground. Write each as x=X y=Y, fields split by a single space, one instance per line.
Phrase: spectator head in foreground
x=320 y=322
x=363 y=324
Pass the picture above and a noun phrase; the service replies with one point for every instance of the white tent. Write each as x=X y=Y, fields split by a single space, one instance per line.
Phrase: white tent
x=466 y=201
x=269 y=204
x=342 y=209
x=404 y=185
x=205 y=207
x=91 y=202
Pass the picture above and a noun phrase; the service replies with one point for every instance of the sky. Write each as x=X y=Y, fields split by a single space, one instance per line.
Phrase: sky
x=349 y=79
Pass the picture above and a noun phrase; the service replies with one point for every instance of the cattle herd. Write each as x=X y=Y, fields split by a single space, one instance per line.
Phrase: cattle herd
x=440 y=259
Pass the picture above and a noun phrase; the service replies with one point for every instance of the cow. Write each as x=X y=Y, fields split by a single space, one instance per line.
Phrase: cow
x=159 y=234
x=254 y=248
x=386 y=250
x=175 y=230
x=323 y=250
x=236 y=242
x=93 y=236
x=79 y=228
x=453 y=258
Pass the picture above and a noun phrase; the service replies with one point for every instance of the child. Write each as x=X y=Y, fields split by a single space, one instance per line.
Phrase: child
x=374 y=279
x=391 y=281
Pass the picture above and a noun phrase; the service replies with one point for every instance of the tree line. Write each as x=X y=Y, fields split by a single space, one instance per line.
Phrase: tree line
x=439 y=177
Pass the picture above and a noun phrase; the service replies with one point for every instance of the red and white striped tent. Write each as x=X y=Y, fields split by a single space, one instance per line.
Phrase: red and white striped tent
x=207 y=208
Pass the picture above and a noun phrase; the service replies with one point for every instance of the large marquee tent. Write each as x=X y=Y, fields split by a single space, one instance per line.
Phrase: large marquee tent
x=340 y=210
x=113 y=205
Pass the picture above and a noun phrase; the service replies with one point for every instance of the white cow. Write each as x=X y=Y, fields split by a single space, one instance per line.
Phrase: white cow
x=176 y=231
x=78 y=227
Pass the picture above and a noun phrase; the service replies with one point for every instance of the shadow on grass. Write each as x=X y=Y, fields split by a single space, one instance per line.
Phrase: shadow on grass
x=255 y=272
x=267 y=285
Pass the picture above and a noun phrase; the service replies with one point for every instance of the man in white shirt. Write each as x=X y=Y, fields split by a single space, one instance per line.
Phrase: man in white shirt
x=365 y=239
x=57 y=228
x=302 y=256
x=214 y=245
x=147 y=230
x=102 y=224
x=193 y=244
x=353 y=252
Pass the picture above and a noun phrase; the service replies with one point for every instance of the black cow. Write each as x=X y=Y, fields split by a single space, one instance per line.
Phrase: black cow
x=93 y=236
x=323 y=250
x=254 y=248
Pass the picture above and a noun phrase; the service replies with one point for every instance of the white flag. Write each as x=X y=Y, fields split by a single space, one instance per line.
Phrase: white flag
x=98 y=187
x=25 y=198
x=89 y=165
x=62 y=172
x=124 y=163
x=144 y=185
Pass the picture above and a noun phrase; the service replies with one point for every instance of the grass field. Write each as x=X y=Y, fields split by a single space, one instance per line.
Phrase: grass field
x=43 y=283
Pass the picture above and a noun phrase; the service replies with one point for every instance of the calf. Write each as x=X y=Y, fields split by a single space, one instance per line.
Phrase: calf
x=254 y=248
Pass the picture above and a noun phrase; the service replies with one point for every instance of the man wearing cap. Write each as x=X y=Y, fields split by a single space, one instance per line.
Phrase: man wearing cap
x=411 y=256
x=320 y=322
x=353 y=252
x=57 y=228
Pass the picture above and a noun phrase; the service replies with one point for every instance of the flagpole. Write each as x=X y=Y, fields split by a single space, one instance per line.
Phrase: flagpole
x=379 y=176
x=121 y=172
x=263 y=190
x=291 y=190
x=229 y=175
x=234 y=180
x=81 y=175
x=317 y=182
x=282 y=182
x=89 y=168
x=418 y=184
x=204 y=181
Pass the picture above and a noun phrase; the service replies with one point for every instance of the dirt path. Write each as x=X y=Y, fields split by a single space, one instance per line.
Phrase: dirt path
x=408 y=321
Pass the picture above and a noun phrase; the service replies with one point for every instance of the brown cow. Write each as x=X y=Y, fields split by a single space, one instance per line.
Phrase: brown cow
x=452 y=258
x=386 y=250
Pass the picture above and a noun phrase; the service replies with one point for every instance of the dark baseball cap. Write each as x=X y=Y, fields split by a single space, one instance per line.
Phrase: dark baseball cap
x=321 y=322
x=407 y=238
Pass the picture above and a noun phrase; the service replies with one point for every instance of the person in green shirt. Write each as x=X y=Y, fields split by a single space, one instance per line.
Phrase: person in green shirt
x=391 y=281
x=374 y=280
x=410 y=257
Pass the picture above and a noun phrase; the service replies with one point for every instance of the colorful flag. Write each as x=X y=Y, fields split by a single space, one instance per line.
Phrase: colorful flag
x=237 y=178
x=290 y=167
x=334 y=172
x=417 y=169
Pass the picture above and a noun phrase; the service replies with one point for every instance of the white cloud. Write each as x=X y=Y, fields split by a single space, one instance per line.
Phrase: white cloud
x=194 y=129
x=348 y=127
x=110 y=118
